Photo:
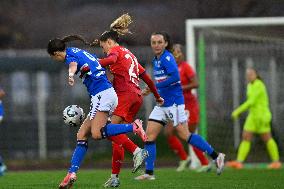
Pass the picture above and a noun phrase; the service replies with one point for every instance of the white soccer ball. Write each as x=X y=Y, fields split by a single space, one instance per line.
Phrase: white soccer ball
x=73 y=115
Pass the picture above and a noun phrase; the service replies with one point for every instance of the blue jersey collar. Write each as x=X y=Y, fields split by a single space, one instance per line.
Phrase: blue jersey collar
x=162 y=55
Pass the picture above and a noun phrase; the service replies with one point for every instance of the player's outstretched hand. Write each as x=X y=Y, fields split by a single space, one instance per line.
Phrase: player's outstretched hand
x=235 y=115
x=146 y=91
x=160 y=101
x=71 y=80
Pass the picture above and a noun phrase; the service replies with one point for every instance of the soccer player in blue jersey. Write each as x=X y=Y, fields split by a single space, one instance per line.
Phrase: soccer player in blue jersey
x=2 y=165
x=103 y=100
x=169 y=87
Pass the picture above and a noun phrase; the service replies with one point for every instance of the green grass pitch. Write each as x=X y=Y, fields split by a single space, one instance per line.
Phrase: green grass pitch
x=165 y=178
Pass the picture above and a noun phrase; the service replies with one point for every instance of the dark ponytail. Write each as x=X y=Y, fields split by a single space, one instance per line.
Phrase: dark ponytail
x=60 y=44
x=167 y=38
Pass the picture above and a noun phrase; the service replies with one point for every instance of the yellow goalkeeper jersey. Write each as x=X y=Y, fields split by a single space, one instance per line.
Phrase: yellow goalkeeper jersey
x=257 y=101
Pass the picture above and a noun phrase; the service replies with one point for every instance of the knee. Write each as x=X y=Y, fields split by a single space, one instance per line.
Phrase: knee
x=247 y=136
x=184 y=136
x=168 y=132
x=96 y=134
x=192 y=128
x=266 y=137
x=81 y=136
x=151 y=136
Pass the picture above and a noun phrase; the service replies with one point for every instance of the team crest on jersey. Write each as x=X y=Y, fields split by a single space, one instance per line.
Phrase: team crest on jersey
x=168 y=58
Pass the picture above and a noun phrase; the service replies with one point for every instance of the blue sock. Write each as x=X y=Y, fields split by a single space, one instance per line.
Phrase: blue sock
x=116 y=129
x=200 y=143
x=150 y=160
x=78 y=155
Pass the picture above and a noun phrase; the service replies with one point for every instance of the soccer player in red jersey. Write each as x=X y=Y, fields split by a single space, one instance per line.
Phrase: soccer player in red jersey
x=126 y=73
x=188 y=81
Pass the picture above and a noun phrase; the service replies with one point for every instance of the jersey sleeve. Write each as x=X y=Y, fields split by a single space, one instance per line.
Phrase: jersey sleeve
x=110 y=59
x=141 y=69
x=171 y=68
x=70 y=59
x=257 y=89
x=190 y=73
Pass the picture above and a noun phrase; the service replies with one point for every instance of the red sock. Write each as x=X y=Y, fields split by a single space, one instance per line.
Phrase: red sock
x=177 y=147
x=200 y=155
x=117 y=158
x=123 y=140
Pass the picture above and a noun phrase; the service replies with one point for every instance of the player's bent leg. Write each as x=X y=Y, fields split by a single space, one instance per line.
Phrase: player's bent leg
x=243 y=151
x=200 y=143
x=78 y=154
x=117 y=159
x=273 y=151
x=192 y=126
x=117 y=129
x=177 y=147
x=152 y=131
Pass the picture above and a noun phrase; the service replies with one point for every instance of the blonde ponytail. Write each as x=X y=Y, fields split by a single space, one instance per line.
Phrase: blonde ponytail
x=120 y=25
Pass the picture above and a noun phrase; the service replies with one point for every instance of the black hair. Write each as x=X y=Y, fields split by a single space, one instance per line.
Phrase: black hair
x=167 y=38
x=109 y=35
x=60 y=44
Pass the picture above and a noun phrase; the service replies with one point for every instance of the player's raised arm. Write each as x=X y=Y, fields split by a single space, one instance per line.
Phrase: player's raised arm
x=72 y=70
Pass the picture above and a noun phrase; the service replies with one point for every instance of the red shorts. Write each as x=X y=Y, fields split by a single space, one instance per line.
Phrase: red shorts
x=193 y=113
x=128 y=105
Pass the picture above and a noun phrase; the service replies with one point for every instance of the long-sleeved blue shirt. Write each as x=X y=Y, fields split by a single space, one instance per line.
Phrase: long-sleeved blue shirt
x=167 y=79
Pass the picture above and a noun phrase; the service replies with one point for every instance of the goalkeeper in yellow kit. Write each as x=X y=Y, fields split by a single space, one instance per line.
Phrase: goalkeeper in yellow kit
x=257 y=121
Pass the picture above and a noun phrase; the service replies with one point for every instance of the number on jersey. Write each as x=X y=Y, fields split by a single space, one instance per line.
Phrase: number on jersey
x=133 y=70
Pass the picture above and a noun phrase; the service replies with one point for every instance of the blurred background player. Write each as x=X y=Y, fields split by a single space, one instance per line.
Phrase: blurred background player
x=126 y=73
x=173 y=110
x=257 y=122
x=103 y=101
x=3 y=167
x=188 y=82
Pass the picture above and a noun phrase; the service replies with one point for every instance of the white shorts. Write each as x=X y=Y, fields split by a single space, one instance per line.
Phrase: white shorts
x=104 y=101
x=175 y=114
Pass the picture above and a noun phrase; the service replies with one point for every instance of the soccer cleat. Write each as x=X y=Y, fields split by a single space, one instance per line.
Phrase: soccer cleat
x=275 y=165
x=68 y=181
x=220 y=163
x=138 y=159
x=112 y=182
x=3 y=169
x=183 y=164
x=234 y=164
x=138 y=129
x=145 y=177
